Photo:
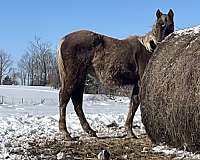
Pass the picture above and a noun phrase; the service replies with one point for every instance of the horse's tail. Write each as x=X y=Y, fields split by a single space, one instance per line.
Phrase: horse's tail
x=60 y=63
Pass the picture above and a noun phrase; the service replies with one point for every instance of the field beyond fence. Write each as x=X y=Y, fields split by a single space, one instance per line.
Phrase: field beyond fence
x=27 y=101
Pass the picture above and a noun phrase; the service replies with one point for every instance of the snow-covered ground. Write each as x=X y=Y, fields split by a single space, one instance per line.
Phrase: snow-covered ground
x=31 y=112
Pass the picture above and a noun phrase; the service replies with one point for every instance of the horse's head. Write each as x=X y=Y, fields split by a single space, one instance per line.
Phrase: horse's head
x=164 y=25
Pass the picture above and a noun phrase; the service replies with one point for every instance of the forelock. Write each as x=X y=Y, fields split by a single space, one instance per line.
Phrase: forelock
x=163 y=17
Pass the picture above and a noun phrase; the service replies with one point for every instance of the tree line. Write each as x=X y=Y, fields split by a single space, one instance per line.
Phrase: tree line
x=38 y=67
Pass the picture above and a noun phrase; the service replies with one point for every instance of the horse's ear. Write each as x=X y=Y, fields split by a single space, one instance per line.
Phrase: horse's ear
x=170 y=14
x=158 y=13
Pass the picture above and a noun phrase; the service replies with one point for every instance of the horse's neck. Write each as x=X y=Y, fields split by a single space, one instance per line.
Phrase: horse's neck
x=145 y=40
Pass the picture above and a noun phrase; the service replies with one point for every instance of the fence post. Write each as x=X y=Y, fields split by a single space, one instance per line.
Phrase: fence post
x=42 y=101
x=1 y=99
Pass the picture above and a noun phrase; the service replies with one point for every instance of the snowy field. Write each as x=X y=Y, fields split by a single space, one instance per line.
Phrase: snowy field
x=31 y=113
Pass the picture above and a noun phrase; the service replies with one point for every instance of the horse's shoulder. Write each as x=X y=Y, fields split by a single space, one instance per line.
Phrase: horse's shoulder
x=133 y=41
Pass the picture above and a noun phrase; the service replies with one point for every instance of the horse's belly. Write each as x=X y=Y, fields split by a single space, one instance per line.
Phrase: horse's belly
x=117 y=76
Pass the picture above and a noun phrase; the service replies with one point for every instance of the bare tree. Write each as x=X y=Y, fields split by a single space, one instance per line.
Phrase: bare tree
x=24 y=71
x=5 y=63
x=54 y=79
x=42 y=55
x=14 y=75
x=37 y=65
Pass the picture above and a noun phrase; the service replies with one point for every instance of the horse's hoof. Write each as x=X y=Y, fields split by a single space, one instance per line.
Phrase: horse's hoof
x=92 y=133
x=130 y=134
x=65 y=135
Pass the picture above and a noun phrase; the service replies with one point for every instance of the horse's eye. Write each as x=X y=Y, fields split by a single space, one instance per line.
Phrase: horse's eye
x=163 y=25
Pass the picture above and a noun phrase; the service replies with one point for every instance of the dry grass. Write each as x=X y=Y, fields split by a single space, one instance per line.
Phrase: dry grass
x=87 y=149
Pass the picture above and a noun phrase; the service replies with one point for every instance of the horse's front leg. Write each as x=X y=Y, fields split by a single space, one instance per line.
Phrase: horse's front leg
x=133 y=106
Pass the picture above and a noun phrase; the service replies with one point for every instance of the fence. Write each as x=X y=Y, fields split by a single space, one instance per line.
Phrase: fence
x=28 y=101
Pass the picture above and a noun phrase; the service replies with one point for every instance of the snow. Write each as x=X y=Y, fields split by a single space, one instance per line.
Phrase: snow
x=21 y=123
x=193 y=30
x=179 y=154
x=34 y=119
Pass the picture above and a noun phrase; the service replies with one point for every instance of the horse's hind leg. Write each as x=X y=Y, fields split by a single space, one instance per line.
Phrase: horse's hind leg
x=133 y=106
x=77 y=100
x=64 y=96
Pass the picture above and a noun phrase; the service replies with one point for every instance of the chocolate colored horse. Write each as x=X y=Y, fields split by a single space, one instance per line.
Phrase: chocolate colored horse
x=115 y=62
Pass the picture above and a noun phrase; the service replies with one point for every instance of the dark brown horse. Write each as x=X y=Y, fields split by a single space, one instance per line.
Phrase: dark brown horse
x=115 y=62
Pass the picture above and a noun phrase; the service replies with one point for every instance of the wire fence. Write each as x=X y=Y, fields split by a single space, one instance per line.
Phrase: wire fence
x=27 y=101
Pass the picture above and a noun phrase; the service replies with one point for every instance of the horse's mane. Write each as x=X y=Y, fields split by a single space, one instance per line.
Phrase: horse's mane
x=148 y=38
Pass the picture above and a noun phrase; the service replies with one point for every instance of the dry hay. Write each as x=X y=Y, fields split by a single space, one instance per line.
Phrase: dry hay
x=88 y=149
x=170 y=94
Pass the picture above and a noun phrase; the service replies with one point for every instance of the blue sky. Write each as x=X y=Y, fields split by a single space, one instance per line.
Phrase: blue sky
x=22 y=20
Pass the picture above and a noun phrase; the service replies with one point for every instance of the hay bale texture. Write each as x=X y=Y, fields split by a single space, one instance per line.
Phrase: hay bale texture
x=170 y=91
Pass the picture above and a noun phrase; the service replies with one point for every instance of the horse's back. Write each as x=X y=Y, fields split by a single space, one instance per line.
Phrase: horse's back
x=113 y=60
x=80 y=41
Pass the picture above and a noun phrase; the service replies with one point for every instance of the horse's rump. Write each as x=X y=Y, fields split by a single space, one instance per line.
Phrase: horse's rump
x=75 y=52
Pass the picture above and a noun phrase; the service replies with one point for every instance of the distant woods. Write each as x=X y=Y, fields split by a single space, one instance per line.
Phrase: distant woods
x=38 y=67
x=5 y=64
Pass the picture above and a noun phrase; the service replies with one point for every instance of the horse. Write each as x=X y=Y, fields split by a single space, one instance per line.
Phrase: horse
x=114 y=62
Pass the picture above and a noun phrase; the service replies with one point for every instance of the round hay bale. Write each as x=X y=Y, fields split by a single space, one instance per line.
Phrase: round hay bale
x=170 y=91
